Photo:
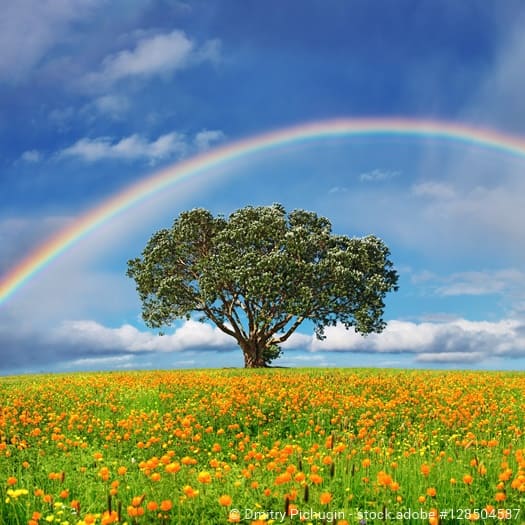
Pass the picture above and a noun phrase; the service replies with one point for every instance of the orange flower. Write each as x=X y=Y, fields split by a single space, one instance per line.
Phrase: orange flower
x=225 y=500
x=121 y=471
x=190 y=492
x=316 y=479
x=135 y=512
x=137 y=501
x=431 y=491
x=204 y=477
x=11 y=480
x=500 y=496
x=468 y=479
x=425 y=469
x=172 y=468
x=166 y=505
x=108 y=518
x=152 y=505
x=325 y=498
x=300 y=477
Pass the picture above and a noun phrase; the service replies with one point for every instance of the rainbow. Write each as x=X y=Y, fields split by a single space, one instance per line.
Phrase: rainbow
x=447 y=131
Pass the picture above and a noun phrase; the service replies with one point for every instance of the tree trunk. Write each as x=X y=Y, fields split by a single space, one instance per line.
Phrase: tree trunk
x=253 y=355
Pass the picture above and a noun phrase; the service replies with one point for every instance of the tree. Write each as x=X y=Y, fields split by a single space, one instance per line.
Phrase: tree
x=260 y=273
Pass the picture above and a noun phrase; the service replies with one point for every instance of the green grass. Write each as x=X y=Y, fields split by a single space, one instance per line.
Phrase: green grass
x=345 y=443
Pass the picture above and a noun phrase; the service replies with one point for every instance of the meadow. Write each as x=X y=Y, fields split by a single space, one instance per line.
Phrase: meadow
x=263 y=446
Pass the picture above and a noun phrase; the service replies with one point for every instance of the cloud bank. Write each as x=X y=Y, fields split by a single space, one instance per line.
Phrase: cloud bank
x=459 y=342
x=137 y=147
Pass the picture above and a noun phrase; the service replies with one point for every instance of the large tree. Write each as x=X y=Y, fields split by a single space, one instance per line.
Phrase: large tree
x=260 y=273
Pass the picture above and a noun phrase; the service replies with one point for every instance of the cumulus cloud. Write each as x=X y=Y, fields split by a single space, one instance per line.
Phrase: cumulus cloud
x=90 y=343
x=137 y=147
x=133 y=147
x=127 y=338
x=451 y=341
x=153 y=55
x=158 y=54
x=87 y=343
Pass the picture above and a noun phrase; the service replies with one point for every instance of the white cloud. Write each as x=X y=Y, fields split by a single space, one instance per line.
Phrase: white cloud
x=127 y=338
x=449 y=341
x=206 y=138
x=378 y=175
x=153 y=55
x=158 y=54
x=134 y=147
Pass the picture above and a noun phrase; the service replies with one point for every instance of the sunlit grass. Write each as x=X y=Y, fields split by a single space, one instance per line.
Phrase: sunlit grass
x=190 y=446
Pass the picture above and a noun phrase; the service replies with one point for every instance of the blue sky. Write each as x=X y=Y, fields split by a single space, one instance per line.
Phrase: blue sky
x=96 y=95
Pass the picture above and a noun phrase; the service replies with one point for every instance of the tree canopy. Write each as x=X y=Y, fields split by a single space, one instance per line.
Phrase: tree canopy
x=260 y=273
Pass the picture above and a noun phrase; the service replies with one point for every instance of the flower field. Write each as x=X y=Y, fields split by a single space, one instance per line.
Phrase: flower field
x=263 y=446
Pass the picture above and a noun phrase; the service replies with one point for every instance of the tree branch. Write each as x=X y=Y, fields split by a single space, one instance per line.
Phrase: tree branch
x=290 y=331
x=209 y=312
x=233 y=317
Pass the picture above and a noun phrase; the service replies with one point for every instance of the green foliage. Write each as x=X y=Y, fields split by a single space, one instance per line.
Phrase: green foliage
x=260 y=273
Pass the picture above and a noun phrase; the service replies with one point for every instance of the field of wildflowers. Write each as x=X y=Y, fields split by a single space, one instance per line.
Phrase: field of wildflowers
x=263 y=446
